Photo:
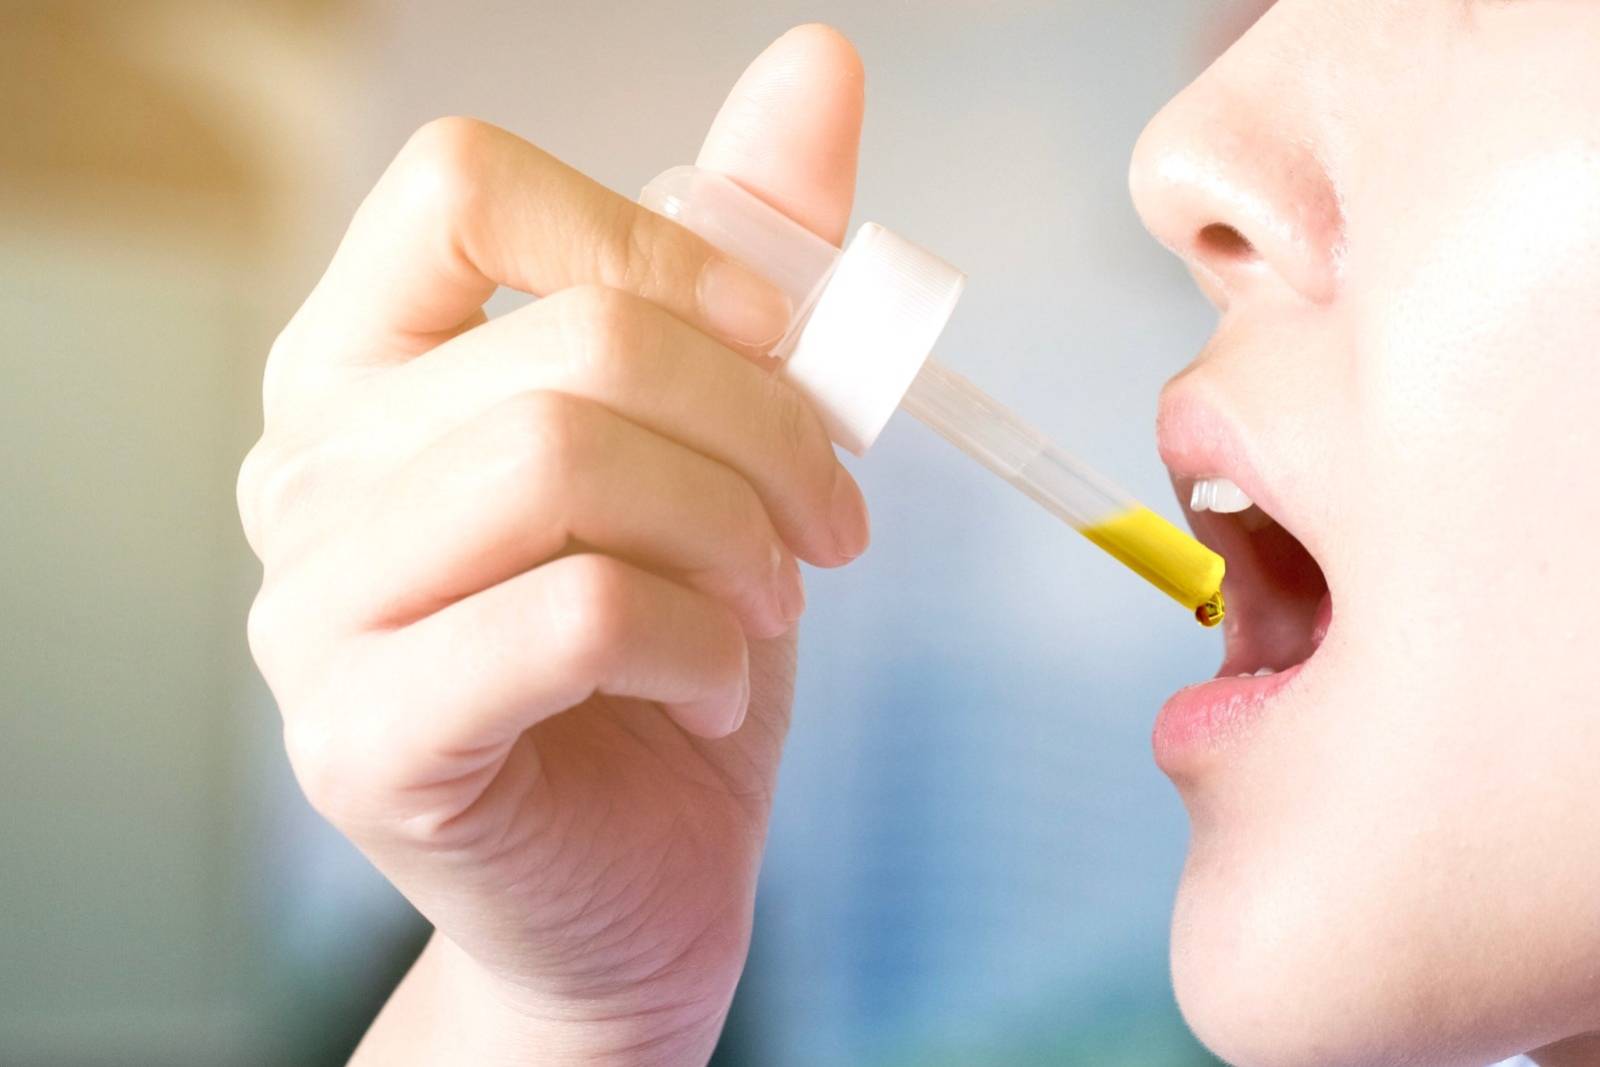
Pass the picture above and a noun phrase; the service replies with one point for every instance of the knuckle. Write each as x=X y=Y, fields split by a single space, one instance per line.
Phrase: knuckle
x=443 y=164
x=263 y=628
x=599 y=313
x=283 y=637
x=591 y=599
x=276 y=375
x=272 y=482
x=353 y=765
x=325 y=776
x=247 y=490
x=287 y=341
x=636 y=256
x=541 y=437
x=608 y=332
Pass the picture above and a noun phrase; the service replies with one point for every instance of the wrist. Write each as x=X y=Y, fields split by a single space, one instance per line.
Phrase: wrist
x=448 y=1010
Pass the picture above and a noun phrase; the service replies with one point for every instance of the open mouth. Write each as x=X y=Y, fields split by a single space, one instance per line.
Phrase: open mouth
x=1251 y=508
x=1280 y=609
x=1279 y=604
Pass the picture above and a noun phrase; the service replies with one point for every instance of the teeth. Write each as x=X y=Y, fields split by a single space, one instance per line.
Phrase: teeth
x=1218 y=494
x=1264 y=671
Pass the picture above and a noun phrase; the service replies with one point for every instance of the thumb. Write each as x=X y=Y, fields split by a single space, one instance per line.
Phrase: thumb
x=791 y=128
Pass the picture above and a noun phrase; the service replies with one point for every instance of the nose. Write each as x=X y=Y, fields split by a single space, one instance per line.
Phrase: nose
x=1229 y=177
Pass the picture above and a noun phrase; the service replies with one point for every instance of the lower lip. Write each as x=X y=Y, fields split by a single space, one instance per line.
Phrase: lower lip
x=1205 y=718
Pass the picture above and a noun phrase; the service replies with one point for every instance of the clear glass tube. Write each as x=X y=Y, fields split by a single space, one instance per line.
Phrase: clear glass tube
x=803 y=264
x=1165 y=556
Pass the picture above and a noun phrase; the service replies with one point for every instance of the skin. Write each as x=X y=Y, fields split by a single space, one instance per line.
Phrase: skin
x=1396 y=865
x=530 y=584
x=509 y=656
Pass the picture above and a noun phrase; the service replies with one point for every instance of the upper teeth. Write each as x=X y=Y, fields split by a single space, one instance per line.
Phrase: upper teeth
x=1218 y=494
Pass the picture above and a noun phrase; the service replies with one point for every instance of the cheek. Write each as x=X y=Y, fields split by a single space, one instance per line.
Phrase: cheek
x=1462 y=728
x=1480 y=375
x=1435 y=779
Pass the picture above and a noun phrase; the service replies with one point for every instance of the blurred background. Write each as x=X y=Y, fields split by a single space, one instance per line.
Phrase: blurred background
x=973 y=855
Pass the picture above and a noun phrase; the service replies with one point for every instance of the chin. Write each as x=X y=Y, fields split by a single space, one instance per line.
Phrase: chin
x=1270 y=975
x=1252 y=995
x=1230 y=986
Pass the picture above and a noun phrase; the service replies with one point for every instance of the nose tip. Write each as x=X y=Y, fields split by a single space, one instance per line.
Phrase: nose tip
x=1224 y=180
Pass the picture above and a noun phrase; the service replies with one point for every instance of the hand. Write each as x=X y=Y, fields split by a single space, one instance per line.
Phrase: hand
x=530 y=584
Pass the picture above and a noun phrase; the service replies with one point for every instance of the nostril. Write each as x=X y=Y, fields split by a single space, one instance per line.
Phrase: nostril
x=1219 y=241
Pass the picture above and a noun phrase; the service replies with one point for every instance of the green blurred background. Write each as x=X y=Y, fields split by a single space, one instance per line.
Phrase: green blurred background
x=972 y=857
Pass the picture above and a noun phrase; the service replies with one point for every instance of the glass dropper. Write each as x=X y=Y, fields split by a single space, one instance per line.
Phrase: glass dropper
x=865 y=321
x=1147 y=544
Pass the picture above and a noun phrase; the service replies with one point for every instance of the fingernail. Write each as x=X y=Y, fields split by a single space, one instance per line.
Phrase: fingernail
x=791 y=589
x=742 y=306
x=743 y=708
x=851 y=527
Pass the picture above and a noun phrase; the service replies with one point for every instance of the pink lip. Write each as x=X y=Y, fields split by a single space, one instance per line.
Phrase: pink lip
x=1202 y=718
x=1200 y=721
x=1198 y=437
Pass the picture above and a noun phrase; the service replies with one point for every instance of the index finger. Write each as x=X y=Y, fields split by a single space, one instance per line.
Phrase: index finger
x=467 y=207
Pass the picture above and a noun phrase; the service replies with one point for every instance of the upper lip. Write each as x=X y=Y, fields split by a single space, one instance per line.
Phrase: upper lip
x=1198 y=439
x=1272 y=590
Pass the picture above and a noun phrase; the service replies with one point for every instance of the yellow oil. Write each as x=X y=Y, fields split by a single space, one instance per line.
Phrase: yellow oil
x=1167 y=558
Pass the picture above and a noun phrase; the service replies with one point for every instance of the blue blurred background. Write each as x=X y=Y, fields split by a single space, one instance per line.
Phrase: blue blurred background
x=972 y=857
